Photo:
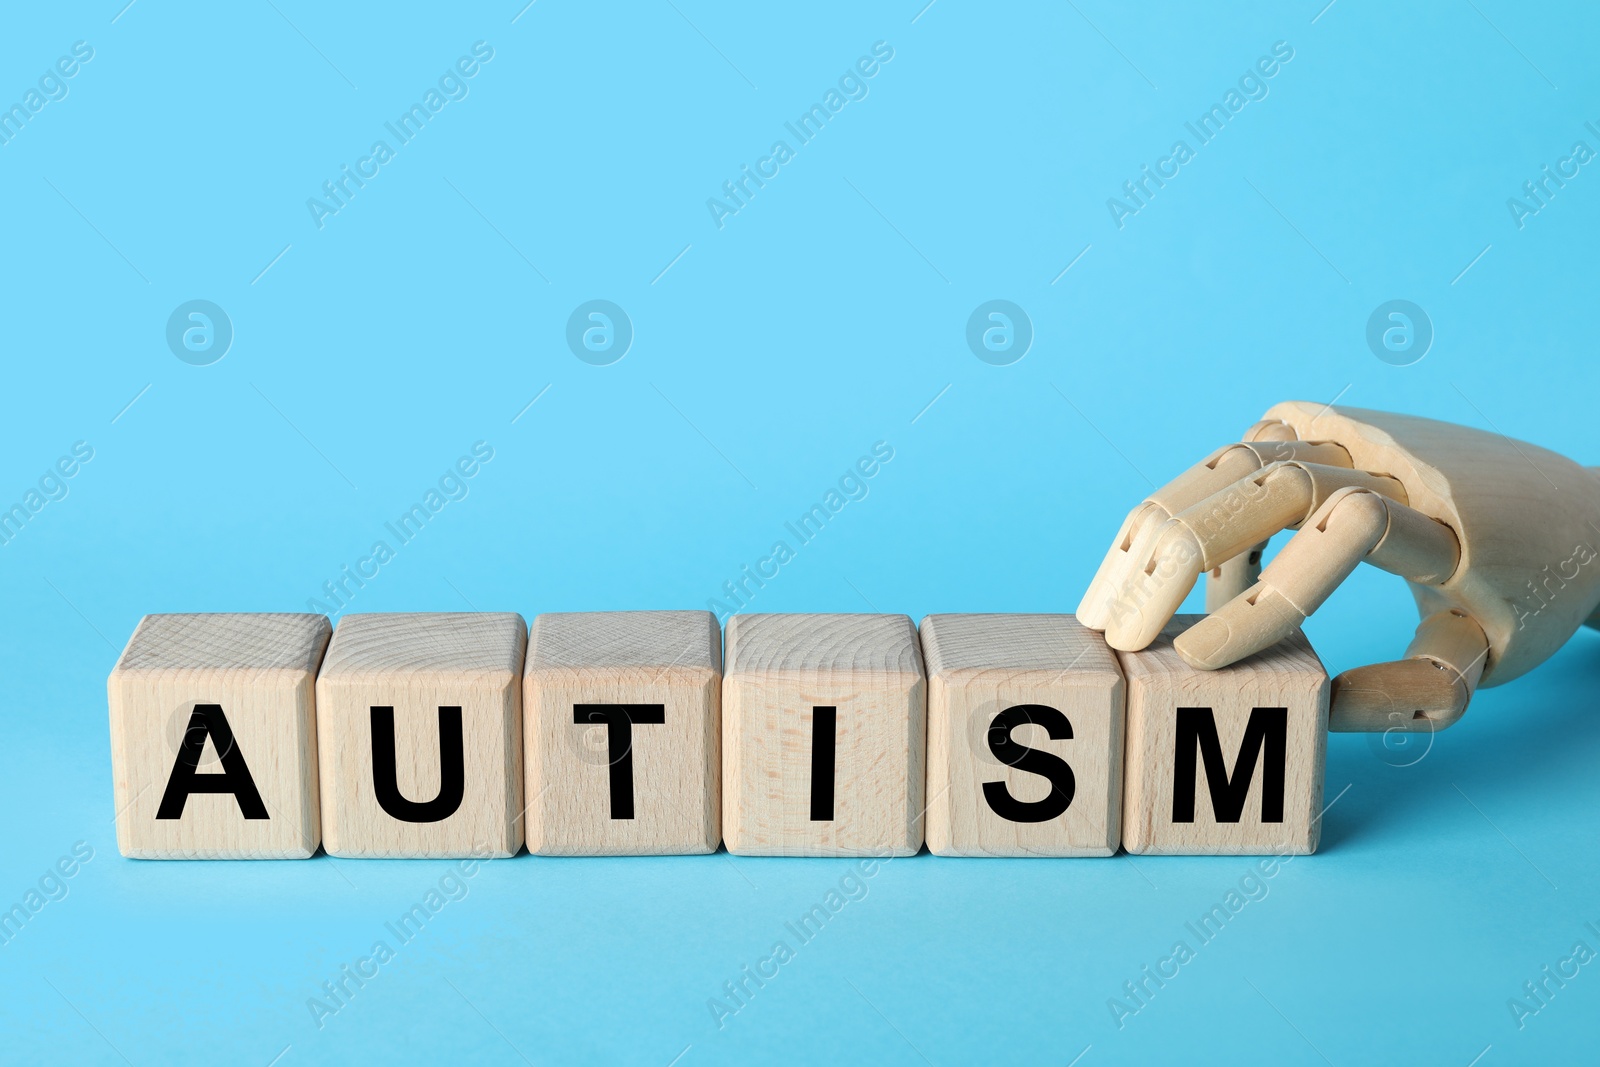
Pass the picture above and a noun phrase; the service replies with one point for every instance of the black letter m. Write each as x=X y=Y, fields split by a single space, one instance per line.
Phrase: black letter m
x=1266 y=733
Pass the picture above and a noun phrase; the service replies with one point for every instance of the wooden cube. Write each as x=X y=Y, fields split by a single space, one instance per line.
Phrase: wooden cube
x=1025 y=716
x=420 y=735
x=823 y=743
x=622 y=714
x=214 y=737
x=1225 y=762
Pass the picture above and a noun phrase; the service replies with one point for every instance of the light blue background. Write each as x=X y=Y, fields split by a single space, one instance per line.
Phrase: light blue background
x=824 y=317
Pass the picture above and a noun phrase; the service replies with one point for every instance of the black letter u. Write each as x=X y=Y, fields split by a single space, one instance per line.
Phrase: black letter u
x=452 y=768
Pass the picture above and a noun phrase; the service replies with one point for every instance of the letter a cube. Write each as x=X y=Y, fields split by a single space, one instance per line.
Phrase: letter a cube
x=1224 y=762
x=421 y=735
x=214 y=736
x=823 y=743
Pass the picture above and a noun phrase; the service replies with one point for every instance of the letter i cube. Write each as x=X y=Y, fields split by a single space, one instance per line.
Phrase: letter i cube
x=823 y=743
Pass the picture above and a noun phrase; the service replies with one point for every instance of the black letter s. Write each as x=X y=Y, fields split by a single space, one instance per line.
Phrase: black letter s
x=1045 y=764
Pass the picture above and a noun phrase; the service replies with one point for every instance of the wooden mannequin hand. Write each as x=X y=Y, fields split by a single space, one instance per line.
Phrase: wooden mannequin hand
x=1498 y=540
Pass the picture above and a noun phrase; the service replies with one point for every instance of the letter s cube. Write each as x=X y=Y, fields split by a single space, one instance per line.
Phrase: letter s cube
x=1025 y=721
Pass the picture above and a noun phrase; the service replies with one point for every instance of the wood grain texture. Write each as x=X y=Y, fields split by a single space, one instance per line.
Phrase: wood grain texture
x=417 y=663
x=1428 y=690
x=260 y=669
x=779 y=669
x=1288 y=675
x=668 y=658
x=1525 y=518
x=979 y=666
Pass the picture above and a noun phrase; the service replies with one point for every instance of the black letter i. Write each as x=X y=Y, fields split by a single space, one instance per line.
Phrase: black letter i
x=824 y=723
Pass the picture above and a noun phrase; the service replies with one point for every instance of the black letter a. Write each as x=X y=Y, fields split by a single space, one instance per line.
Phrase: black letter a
x=452 y=768
x=205 y=721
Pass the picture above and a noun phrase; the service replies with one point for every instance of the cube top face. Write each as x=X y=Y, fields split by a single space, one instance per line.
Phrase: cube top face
x=1031 y=644
x=643 y=642
x=880 y=645
x=622 y=733
x=1290 y=665
x=478 y=644
x=420 y=735
x=226 y=641
x=1025 y=737
x=1225 y=762
x=824 y=736
x=206 y=701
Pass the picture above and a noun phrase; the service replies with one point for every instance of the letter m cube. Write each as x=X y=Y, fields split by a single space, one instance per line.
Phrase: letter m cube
x=1224 y=762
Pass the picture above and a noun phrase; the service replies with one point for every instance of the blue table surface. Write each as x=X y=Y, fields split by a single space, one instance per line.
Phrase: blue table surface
x=767 y=338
